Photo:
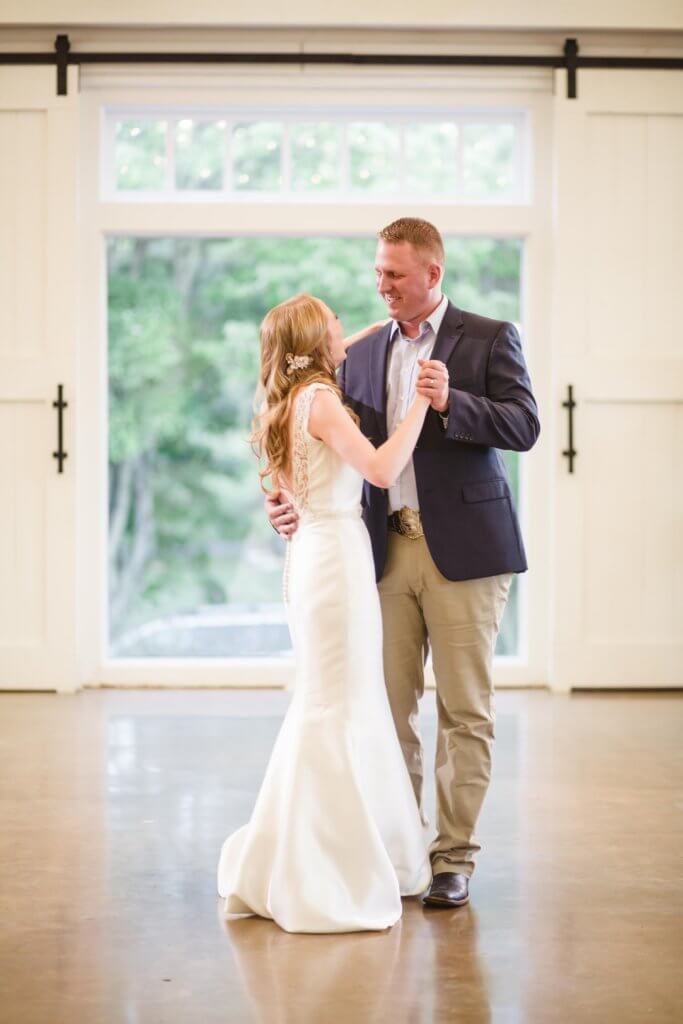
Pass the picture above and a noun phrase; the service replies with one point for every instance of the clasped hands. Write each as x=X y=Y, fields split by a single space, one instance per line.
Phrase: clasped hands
x=433 y=383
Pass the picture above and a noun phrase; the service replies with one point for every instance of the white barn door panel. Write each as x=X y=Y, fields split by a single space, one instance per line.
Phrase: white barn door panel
x=617 y=321
x=38 y=147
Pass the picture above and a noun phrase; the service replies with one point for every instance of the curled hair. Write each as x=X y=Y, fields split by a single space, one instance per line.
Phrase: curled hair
x=296 y=327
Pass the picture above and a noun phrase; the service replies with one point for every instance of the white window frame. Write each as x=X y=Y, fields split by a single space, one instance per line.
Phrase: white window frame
x=288 y=116
x=530 y=92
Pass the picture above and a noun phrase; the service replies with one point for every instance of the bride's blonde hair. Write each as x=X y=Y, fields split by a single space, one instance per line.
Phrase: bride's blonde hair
x=294 y=338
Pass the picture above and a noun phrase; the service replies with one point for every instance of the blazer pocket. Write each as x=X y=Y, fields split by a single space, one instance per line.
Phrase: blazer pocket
x=485 y=490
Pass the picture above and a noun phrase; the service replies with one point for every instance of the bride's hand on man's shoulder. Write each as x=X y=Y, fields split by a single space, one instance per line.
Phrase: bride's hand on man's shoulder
x=281 y=514
x=352 y=338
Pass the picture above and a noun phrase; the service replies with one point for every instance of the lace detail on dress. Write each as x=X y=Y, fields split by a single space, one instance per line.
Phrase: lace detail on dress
x=300 y=442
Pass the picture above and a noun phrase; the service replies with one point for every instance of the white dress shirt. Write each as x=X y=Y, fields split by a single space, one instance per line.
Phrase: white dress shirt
x=402 y=373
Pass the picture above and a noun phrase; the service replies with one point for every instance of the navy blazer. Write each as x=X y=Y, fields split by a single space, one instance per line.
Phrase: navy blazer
x=469 y=520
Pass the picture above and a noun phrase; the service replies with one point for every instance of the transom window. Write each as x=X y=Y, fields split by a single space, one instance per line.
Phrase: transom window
x=459 y=157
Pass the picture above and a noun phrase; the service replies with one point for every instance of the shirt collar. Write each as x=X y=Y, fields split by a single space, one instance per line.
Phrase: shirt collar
x=434 y=320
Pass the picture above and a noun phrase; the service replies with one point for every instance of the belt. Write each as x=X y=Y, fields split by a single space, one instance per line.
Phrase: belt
x=407 y=522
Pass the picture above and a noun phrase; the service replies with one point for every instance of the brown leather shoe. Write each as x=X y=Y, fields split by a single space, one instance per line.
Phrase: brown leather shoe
x=448 y=889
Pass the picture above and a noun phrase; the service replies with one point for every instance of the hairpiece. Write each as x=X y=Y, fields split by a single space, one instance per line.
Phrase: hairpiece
x=295 y=363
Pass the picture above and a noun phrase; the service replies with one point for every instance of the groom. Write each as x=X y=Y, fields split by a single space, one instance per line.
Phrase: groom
x=445 y=538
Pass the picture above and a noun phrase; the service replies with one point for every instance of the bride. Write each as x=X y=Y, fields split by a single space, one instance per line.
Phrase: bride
x=335 y=838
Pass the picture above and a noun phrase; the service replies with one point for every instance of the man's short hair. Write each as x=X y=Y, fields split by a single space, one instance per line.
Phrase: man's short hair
x=420 y=233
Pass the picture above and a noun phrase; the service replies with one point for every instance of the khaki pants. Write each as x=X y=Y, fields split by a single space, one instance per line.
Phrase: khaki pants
x=459 y=620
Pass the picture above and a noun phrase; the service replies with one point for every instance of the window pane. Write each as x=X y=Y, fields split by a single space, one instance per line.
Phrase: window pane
x=257 y=155
x=374 y=150
x=199 y=154
x=140 y=154
x=194 y=567
x=431 y=157
x=488 y=160
x=462 y=158
x=316 y=155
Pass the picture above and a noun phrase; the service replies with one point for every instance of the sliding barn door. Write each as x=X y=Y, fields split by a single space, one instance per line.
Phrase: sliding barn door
x=38 y=147
x=618 y=290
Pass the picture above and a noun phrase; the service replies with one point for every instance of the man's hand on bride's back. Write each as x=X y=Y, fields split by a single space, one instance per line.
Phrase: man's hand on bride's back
x=281 y=515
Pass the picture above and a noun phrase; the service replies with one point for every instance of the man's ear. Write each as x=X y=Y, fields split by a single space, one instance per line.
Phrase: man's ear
x=435 y=273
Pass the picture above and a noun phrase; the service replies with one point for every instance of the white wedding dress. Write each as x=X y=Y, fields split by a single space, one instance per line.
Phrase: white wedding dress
x=335 y=838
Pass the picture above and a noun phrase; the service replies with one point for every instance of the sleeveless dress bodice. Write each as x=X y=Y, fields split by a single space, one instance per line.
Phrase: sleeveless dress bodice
x=324 y=487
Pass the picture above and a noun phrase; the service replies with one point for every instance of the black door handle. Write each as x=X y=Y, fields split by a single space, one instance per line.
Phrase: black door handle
x=570 y=405
x=60 y=405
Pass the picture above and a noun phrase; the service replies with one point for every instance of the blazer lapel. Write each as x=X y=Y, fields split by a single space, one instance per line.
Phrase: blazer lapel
x=449 y=335
x=379 y=354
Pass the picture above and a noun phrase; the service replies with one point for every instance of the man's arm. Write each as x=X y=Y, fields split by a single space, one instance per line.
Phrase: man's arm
x=507 y=416
x=363 y=333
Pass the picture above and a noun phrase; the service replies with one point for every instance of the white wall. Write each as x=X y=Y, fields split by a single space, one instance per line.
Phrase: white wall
x=662 y=15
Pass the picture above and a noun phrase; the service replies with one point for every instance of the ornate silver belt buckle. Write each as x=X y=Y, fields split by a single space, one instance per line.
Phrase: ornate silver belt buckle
x=411 y=523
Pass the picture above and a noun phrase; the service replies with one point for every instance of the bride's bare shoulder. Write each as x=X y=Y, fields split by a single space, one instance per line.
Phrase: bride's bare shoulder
x=326 y=406
x=325 y=400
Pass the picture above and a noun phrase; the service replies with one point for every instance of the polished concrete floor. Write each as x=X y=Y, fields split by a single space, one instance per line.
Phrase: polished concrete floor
x=114 y=806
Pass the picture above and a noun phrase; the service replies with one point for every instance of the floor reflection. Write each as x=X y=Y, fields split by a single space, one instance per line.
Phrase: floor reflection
x=407 y=973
